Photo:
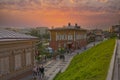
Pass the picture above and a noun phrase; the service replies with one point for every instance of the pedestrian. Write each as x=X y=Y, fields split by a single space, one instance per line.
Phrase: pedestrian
x=45 y=58
x=60 y=56
x=42 y=71
x=39 y=72
x=63 y=57
x=84 y=48
x=34 y=72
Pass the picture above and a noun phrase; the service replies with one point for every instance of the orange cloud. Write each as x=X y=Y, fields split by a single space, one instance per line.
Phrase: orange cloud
x=59 y=12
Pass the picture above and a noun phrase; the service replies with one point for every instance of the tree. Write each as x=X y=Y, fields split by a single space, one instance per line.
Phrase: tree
x=46 y=36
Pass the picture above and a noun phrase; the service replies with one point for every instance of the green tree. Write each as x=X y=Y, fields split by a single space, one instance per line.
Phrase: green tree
x=46 y=36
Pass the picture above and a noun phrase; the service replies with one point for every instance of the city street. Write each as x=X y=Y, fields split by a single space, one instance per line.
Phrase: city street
x=52 y=67
x=39 y=38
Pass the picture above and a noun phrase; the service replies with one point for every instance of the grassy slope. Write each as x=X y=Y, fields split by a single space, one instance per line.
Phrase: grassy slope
x=92 y=64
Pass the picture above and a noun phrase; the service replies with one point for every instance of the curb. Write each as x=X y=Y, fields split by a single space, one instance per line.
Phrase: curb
x=112 y=63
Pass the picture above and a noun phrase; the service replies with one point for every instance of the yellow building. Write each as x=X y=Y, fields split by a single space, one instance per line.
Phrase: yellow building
x=69 y=37
x=16 y=54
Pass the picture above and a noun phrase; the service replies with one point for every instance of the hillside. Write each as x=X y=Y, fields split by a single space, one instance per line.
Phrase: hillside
x=92 y=64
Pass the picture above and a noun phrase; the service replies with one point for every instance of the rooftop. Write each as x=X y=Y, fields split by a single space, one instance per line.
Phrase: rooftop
x=69 y=26
x=6 y=35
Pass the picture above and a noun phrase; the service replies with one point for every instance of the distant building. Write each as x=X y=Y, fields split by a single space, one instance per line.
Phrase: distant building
x=95 y=35
x=42 y=30
x=98 y=34
x=115 y=29
x=24 y=31
x=16 y=54
x=90 y=36
x=68 y=37
x=20 y=30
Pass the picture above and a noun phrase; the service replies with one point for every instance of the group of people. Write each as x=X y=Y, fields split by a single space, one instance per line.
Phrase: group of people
x=38 y=72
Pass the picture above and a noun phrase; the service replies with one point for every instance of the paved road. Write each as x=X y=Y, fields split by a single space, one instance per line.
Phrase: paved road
x=116 y=72
x=52 y=67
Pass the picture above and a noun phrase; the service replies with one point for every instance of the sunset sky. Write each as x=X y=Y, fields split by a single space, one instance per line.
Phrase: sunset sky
x=34 y=13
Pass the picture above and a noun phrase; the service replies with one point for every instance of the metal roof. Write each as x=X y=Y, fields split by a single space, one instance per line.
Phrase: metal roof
x=6 y=35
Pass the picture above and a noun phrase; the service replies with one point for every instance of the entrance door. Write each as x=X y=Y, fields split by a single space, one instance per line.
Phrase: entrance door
x=69 y=46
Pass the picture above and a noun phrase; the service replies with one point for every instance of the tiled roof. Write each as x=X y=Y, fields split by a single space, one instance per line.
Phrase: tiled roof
x=6 y=35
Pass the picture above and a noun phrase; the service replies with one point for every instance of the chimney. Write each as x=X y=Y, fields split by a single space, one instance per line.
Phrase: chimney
x=76 y=25
x=52 y=27
x=69 y=24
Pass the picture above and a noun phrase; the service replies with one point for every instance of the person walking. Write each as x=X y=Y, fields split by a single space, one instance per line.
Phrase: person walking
x=39 y=73
x=42 y=71
x=34 y=72
x=63 y=56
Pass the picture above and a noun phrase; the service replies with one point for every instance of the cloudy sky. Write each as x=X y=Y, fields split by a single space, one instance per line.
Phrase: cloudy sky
x=33 y=13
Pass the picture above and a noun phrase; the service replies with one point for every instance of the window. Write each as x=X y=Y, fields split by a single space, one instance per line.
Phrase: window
x=28 y=58
x=60 y=37
x=77 y=37
x=4 y=65
x=65 y=37
x=80 y=36
x=70 y=37
x=57 y=37
x=17 y=61
x=85 y=36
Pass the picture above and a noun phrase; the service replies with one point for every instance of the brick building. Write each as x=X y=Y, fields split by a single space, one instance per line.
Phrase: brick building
x=68 y=37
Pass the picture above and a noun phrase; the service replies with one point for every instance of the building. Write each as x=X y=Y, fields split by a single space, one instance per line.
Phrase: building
x=90 y=36
x=24 y=30
x=116 y=30
x=98 y=34
x=68 y=37
x=20 y=30
x=42 y=30
x=95 y=35
x=16 y=54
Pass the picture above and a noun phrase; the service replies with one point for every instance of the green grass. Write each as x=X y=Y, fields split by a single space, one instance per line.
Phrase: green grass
x=92 y=64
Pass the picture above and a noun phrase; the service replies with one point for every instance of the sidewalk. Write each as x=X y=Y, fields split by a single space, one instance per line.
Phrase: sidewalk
x=116 y=72
x=52 y=67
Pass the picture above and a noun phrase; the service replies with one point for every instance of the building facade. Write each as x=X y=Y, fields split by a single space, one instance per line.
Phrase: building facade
x=42 y=30
x=116 y=30
x=98 y=34
x=95 y=35
x=16 y=54
x=69 y=37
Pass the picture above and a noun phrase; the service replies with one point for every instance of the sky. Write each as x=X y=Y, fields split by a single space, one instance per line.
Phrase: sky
x=48 y=13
